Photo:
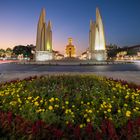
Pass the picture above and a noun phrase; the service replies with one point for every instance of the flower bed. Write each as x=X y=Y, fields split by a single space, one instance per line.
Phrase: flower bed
x=69 y=107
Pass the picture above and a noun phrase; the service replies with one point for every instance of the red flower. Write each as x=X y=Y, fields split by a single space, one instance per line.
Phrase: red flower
x=77 y=132
x=58 y=133
x=129 y=130
x=98 y=135
x=103 y=127
x=137 y=122
x=111 y=130
x=34 y=129
x=9 y=116
x=89 y=128
x=39 y=123
x=37 y=126
x=70 y=125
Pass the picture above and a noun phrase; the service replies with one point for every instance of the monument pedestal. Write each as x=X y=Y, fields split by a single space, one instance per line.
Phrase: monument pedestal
x=43 y=55
x=98 y=55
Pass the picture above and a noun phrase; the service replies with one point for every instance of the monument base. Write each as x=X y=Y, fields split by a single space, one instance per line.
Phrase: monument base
x=98 y=55
x=43 y=56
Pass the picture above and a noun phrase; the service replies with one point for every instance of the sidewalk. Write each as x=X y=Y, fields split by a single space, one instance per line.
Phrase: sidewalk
x=129 y=76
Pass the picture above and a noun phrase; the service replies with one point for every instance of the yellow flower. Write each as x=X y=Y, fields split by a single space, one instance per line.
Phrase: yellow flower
x=105 y=106
x=66 y=111
x=63 y=107
x=51 y=100
x=7 y=93
x=72 y=113
x=133 y=97
x=113 y=88
x=88 y=103
x=125 y=105
x=29 y=98
x=128 y=113
x=27 y=101
x=36 y=103
x=126 y=96
x=43 y=110
x=37 y=97
x=102 y=106
x=137 y=108
x=13 y=103
x=69 y=110
x=110 y=118
x=67 y=102
x=119 y=111
x=17 y=95
x=81 y=125
x=110 y=106
x=50 y=107
x=88 y=119
x=56 y=106
x=105 y=112
x=41 y=101
x=39 y=110
x=56 y=99
x=85 y=115
x=19 y=100
x=90 y=111
x=114 y=97
x=104 y=102
x=73 y=116
x=73 y=106
x=67 y=122
x=109 y=110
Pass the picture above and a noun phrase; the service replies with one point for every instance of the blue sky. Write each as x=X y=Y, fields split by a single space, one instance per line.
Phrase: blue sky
x=70 y=18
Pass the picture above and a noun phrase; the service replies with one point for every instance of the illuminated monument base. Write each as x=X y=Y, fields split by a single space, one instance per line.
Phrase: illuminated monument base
x=98 y=55
x=43 y=55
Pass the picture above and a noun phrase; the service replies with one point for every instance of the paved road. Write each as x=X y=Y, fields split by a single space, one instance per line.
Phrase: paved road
x=46 y=68
x=128 y=72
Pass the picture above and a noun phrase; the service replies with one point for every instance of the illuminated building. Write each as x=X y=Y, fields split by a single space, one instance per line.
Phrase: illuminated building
x=70 y=49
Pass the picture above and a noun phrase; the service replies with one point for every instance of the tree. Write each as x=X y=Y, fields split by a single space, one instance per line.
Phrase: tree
x=25 y=50
x=8 y=50
x=2 y=53
x=112 y=50
x=19 y=50
x=131 y=52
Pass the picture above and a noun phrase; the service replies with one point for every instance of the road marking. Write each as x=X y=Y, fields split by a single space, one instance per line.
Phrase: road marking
x=7 y=61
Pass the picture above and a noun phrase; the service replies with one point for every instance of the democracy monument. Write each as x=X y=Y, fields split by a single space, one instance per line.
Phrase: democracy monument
x=97 y=46
x=43 y=39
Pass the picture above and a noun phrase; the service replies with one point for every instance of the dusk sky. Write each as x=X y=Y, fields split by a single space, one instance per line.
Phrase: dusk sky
x=70 y=18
